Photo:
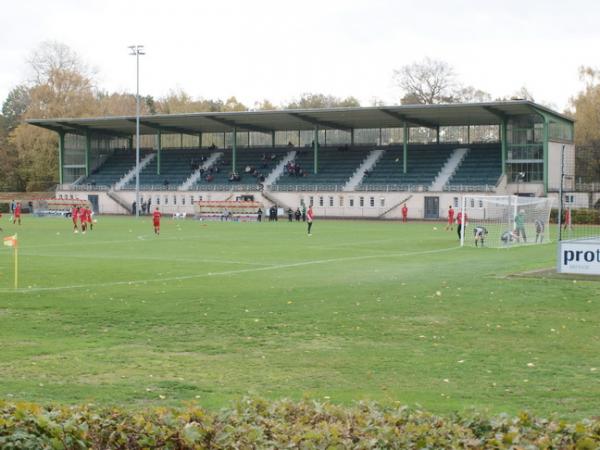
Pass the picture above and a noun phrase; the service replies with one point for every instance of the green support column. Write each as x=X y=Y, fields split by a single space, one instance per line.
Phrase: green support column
x=273 y=138
x=199 y=141
x=181 y=141
x=546 y=126
x=61 y=155
x=158 y=150
x=88 y=150
x=468 y=134
x=504 y=144
x=405 y=149
x=130 y=140
x=234 y=152
x=437 y=135
x=352 y=136
x=316 y=150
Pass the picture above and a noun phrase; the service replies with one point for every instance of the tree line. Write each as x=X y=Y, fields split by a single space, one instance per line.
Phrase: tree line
x=62 y=85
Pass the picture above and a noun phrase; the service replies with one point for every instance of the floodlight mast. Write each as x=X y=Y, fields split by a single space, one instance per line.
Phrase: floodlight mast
x=137 y=50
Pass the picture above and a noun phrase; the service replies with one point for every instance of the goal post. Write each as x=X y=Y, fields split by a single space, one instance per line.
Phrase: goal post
x=505 y=220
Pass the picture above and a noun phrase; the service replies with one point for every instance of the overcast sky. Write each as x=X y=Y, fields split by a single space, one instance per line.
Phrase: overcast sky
x=279 y=49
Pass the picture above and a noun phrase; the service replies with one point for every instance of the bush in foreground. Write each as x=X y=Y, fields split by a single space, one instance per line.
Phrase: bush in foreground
x=255 y=423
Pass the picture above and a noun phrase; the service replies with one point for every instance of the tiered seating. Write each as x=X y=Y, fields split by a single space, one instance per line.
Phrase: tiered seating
x=336 y=166
x=424 y=163
x=114 y=168
x=176 y=165
x=482 y=166
x=263 y=159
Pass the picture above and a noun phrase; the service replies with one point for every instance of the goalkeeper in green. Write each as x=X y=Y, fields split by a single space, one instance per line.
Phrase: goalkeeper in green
x=520 y=226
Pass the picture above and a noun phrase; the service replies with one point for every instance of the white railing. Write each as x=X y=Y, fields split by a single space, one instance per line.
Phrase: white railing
x=470 y=188
x=307 y=187
x=393 y=188
x=82 y=187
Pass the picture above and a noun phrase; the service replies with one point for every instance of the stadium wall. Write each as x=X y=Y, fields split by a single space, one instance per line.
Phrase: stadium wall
x=374 y=205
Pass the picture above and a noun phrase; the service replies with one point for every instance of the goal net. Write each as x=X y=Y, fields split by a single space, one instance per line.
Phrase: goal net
x=505 y=221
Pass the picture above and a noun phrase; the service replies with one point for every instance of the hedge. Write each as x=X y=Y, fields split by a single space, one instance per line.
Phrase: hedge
x=581 y=216
x=283 y=424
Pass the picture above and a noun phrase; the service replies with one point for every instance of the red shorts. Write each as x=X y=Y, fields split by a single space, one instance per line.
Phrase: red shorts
x=450 y=220
x=156 y=223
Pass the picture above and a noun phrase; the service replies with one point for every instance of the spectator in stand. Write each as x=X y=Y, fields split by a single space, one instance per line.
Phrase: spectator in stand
x=209 y=178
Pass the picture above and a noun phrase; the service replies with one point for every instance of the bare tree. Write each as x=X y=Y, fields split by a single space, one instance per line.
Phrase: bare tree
x=469 y=94
x=310 y=100
x=426 y=82
x=54 y=56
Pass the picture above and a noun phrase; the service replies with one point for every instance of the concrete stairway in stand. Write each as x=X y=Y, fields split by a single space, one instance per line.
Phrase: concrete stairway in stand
x=279 y=168
x=448 y=169
x=359 y=174
x=131 y=174
x=212 y=159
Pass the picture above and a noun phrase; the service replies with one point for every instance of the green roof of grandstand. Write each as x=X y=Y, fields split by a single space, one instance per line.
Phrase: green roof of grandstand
x=305 y=119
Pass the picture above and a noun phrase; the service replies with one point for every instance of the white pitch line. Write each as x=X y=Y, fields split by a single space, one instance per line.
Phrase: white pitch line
x=228 y=272
x=142 y=258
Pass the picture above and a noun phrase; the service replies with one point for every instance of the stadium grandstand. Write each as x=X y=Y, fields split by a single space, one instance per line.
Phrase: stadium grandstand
x=347 y=162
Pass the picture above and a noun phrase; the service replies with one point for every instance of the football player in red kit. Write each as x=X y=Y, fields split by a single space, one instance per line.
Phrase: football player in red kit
x=75 y=218
x=156 y=221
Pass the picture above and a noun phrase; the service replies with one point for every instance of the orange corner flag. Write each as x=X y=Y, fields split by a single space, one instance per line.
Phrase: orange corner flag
x=11 y=241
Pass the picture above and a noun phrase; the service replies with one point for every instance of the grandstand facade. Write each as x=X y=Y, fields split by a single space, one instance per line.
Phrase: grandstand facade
x=347 y=162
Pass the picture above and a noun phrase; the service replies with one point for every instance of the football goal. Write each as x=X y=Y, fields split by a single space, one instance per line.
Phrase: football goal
x=505 y=221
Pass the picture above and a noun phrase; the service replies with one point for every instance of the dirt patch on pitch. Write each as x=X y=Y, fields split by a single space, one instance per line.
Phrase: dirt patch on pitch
x=551 y=273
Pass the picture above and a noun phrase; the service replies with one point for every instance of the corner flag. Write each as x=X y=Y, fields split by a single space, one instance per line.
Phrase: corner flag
x=11 y=241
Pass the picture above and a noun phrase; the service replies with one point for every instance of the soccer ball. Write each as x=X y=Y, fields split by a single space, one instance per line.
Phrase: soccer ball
x=95 y=221
x=434 y=228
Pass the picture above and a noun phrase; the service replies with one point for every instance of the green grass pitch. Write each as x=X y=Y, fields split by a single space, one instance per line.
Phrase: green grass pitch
x=360 y=310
